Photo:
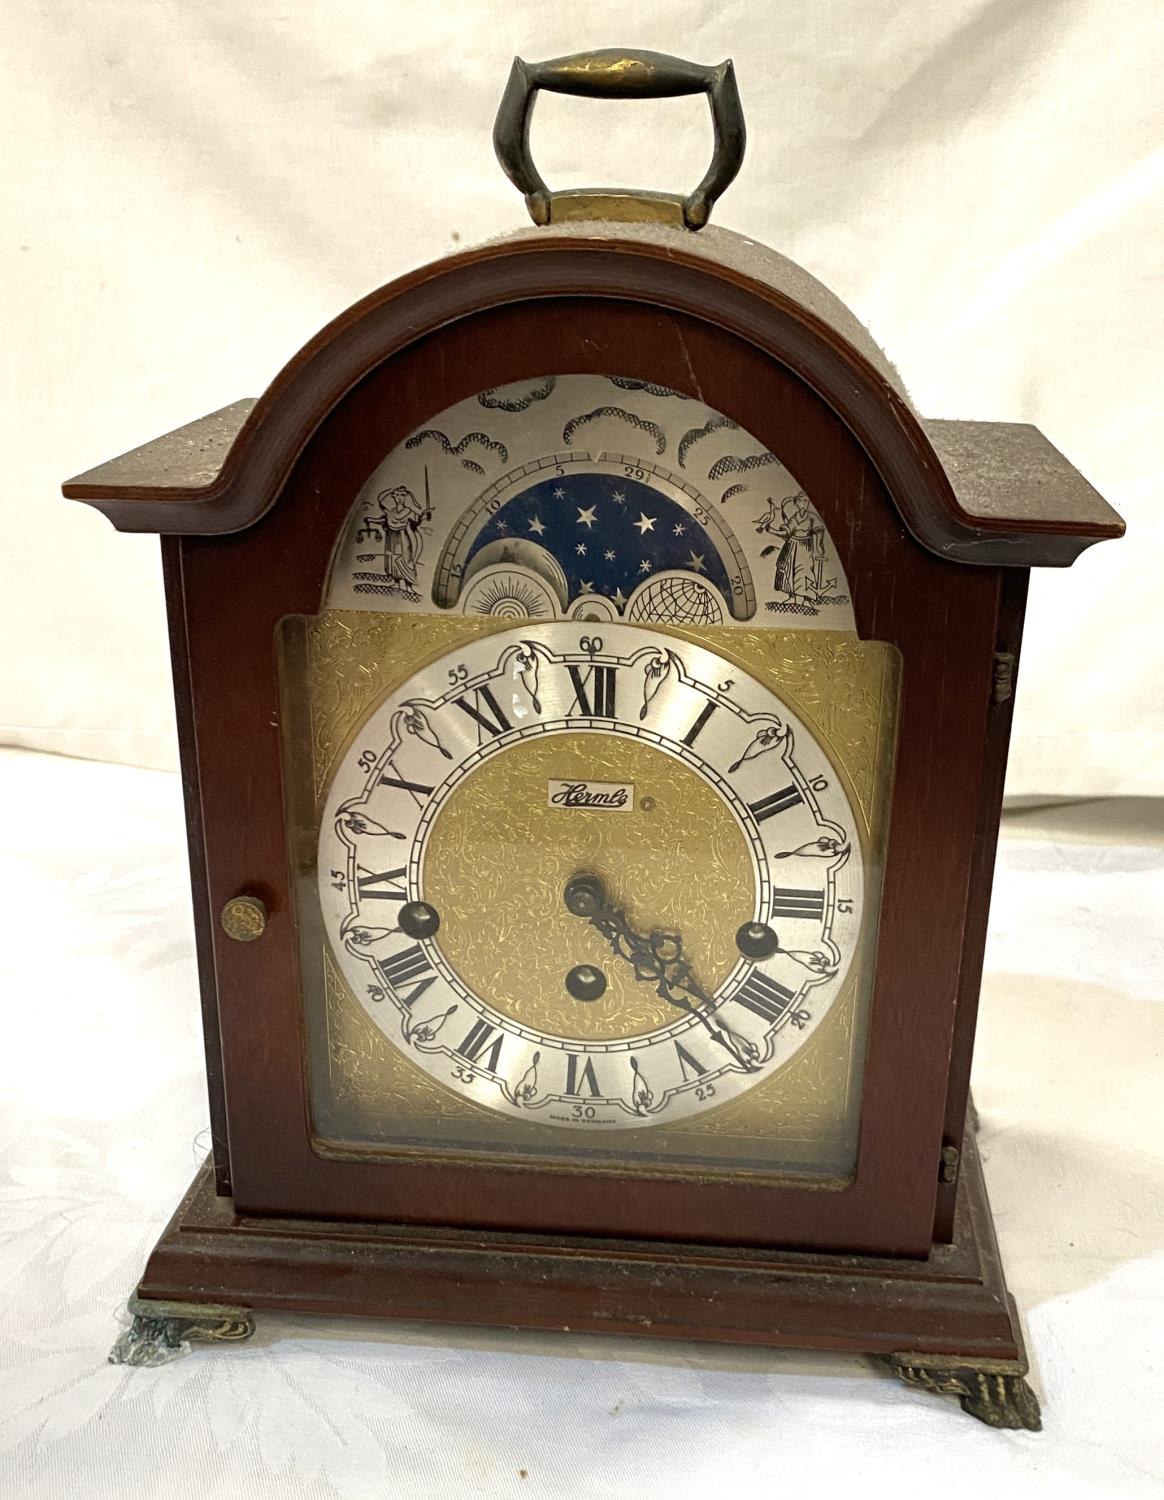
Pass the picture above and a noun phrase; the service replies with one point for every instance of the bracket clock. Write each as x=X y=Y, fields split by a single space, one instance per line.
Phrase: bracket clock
x=593 y=683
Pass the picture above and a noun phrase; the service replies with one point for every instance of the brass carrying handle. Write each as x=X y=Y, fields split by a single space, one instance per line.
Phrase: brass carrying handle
x=611 y=74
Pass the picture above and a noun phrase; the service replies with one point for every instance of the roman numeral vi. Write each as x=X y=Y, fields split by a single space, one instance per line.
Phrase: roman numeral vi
x=576 y=1077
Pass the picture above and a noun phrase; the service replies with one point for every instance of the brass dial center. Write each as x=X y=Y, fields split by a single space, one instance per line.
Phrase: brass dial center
x=499 y=855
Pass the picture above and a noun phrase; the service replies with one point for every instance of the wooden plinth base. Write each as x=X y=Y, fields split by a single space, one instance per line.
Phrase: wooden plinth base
x=947 y=1322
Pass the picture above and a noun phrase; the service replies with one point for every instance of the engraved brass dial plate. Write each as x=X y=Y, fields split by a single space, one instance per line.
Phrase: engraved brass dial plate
x=368 y=1094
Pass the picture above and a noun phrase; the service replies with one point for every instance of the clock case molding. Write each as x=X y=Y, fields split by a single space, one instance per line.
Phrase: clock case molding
x=937 y=525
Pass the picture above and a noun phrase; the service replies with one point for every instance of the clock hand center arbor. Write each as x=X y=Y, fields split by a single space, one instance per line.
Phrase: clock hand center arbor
x=585 y=895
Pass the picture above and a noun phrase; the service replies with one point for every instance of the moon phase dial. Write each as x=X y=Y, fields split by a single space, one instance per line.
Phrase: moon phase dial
x=589 y=497
x=589 y=875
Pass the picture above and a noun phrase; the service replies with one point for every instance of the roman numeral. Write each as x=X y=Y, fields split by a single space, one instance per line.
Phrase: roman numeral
x=575 y=1079
x=600 y=681
x=485 y=711
x=408 y=967
x=687 y=1062
x=767 y=998
x=415 y=787
x=697 y=728
x=791 y=903
x=477 y=1041
x=775 y=802
x=395 y=892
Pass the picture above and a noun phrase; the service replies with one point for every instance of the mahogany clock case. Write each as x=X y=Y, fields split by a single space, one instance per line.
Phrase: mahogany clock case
x=251 y=503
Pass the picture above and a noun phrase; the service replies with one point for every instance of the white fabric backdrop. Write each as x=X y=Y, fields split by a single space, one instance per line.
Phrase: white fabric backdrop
x=190 y=188
x=103 y=1115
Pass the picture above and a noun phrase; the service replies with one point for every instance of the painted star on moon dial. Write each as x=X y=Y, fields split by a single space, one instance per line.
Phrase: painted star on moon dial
x=591 y=875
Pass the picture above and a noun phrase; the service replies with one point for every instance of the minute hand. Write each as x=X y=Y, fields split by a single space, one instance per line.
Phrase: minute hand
x=655 y=956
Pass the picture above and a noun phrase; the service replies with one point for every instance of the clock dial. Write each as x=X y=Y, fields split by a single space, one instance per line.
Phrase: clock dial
x=590 y=875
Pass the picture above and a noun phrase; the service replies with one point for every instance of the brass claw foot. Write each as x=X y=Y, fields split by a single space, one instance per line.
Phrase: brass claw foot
x=161 y=1331
x=994 y=1391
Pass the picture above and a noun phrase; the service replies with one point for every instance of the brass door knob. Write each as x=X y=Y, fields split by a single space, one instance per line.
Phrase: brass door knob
x=244 y=918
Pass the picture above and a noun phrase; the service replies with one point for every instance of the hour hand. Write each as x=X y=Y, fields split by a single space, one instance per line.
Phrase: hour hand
x=655 y=956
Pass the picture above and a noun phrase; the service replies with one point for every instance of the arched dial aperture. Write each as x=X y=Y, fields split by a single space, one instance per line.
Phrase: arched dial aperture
x=725 y=847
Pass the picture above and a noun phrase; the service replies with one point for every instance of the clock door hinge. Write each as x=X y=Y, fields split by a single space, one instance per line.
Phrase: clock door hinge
x=1003 y=679
x=948 y=1164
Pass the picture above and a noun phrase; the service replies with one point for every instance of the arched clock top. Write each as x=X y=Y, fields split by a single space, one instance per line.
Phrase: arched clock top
x=981 y=493
x=589 y=497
